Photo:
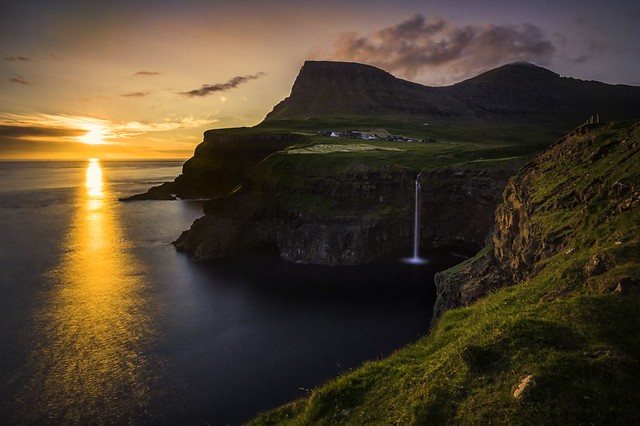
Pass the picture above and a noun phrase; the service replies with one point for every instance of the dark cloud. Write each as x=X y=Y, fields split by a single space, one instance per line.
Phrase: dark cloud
x=135 y=94
x=418 y=45
x=207 y=89
x=17 y=58
x=11 y=131
x=146 y=73
x=19 y=80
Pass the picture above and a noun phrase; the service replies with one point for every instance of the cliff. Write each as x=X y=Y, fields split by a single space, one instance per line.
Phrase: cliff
x=569 y=193
x=542 y=326
x=352 y=216
x=221 y=162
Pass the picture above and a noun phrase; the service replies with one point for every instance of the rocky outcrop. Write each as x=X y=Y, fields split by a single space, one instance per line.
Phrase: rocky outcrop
x=347 y=218
x=568 y=201
x=459 y=203
x=221 y=162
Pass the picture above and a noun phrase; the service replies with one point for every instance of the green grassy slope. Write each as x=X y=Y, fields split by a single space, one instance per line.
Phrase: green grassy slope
x=560 y=347
x=456 y=142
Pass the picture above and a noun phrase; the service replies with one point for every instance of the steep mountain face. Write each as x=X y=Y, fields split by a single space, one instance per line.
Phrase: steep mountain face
x=513 y=91
x=571 y=198
x=341 y=88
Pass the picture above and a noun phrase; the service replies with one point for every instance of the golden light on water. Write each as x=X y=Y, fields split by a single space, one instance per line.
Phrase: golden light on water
x=95 y=325
x=93 y=181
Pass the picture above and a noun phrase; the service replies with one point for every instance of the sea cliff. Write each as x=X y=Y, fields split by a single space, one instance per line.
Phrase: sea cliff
x=542 y=326
x=353 y=216
x=545 y=206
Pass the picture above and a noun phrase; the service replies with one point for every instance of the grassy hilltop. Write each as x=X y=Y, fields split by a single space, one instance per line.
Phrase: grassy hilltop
x=556 y=340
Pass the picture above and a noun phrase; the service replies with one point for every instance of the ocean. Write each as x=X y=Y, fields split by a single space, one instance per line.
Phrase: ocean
x=102 y=321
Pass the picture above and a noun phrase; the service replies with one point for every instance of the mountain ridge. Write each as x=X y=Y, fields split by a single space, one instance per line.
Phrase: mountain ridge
x=513 y=91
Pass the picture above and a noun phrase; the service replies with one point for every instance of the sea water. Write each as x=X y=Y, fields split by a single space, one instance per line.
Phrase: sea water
x=102 y=321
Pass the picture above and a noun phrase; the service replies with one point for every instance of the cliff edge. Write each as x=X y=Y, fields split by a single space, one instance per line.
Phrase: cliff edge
x=541 y=327
x=575 y=197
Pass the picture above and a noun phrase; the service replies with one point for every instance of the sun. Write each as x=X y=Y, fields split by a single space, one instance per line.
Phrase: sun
x=95 y=135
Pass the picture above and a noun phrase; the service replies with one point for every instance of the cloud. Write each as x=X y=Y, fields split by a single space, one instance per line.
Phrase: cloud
x=17 y=58
x=25 y=131
x=40 y=127
x=442 y=49
x=135 y=128
x=135 y=94
x=19 y=80
x=207 y=89
x=146 y=73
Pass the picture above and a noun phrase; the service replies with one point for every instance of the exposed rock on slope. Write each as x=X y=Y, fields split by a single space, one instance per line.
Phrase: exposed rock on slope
x=569 y=197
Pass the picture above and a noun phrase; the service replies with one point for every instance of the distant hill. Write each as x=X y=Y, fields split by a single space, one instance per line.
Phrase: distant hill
x=514 y=91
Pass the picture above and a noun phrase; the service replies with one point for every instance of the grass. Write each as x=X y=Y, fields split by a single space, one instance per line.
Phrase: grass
x=458 y=144
x=228 y=156
x=576 y=335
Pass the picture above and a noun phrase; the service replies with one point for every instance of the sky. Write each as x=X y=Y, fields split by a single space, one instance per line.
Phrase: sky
x=145 y=78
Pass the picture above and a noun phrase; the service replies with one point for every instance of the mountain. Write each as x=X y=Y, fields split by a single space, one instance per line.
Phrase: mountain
x=514 y=91
x=325 y=88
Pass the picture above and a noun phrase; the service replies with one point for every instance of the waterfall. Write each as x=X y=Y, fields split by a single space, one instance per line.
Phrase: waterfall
x=416 y=259
x=416 y=222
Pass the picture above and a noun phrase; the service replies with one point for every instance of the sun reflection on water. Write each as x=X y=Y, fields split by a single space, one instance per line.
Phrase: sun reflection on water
x=93 y=181
x=92 y=362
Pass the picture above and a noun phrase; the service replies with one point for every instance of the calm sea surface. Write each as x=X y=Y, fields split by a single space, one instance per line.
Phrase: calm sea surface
x=102 y=321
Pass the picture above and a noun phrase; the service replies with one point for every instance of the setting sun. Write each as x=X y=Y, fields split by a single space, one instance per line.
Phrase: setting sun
x=94 y=136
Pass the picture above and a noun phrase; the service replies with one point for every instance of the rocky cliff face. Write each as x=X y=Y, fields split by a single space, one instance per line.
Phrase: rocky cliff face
x=575 y=199
x=221 y=162
x=347 y=218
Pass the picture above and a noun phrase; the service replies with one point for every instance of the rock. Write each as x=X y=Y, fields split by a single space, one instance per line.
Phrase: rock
x=476 y=278
x=349 y=218
x=618 y=190
x=220 y=164
x=525 y=385
x=557 y=294
x=164 y=191
x=627 y=285
x=539 y=216
x=598 y=264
